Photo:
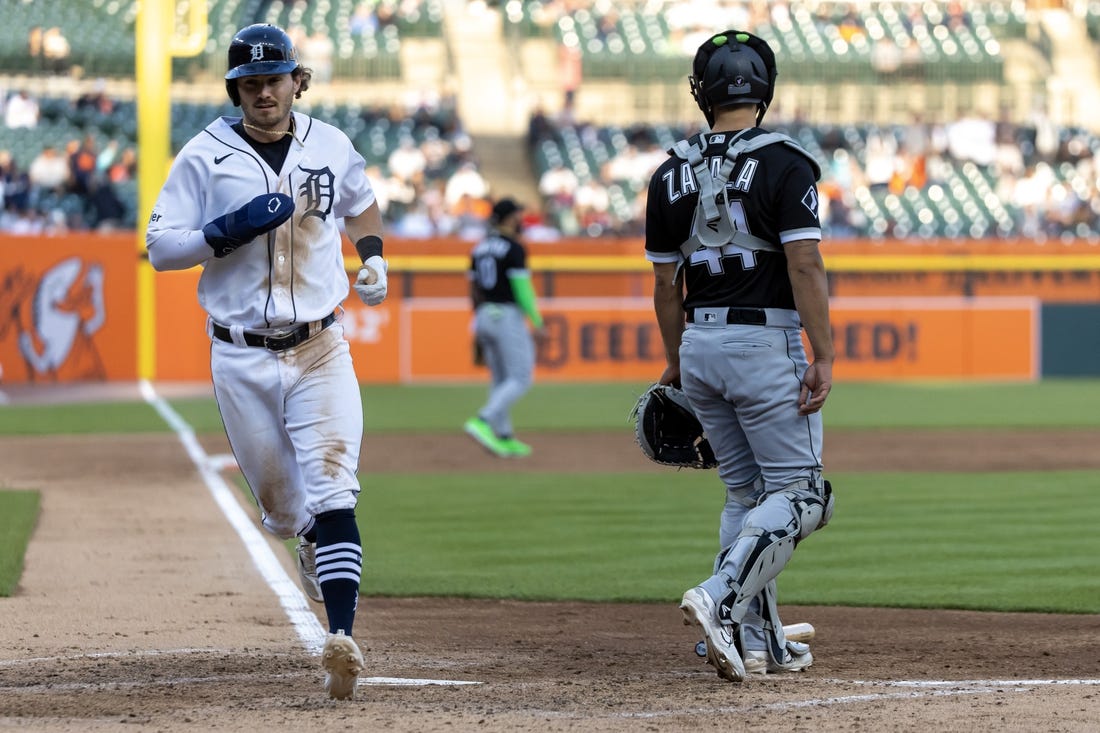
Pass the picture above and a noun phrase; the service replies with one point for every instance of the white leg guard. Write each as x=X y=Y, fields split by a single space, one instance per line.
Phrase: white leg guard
x=773 y=653
x=767 y=542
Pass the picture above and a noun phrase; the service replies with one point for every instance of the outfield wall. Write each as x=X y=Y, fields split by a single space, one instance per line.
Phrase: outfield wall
x=71 y=308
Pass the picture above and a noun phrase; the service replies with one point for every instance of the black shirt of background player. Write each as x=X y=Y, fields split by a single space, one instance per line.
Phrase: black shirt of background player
x=491 y=261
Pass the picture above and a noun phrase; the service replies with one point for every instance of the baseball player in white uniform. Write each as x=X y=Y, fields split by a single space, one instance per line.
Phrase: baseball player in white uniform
x=256 y=200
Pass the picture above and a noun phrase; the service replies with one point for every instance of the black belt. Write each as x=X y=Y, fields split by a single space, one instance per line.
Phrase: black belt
x=278 y=342
x=747 y=316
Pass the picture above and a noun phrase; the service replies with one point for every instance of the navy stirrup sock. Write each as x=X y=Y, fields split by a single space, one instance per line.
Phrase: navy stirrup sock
x=339 y=566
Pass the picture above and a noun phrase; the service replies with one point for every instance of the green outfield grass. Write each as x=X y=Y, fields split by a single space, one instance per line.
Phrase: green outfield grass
x=1052 y=403
x=1009 y=541
x=18 y=514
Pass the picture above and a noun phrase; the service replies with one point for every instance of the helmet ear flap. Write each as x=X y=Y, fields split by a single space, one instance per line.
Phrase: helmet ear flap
x=697 y=93
x=698 y=71
x=234 y=95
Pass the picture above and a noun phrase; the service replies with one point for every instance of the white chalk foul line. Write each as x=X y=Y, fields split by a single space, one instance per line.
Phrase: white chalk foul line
x=291 y=597
x=405 y=682
x=54 y=687
x=971 y=683
x=925 y=688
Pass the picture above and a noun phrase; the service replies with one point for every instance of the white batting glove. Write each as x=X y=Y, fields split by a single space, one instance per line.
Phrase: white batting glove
x=371 y=284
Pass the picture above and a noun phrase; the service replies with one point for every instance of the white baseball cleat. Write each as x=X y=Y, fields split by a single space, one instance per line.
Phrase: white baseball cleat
x=699 y=610
x=307 y=569
x=342 y=661
x=798 y=658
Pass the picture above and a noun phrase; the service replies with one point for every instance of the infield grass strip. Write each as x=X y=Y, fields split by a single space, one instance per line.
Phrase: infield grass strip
x=1062 y=403
x=85 y=417
x=18 y=515
x=1002 y=542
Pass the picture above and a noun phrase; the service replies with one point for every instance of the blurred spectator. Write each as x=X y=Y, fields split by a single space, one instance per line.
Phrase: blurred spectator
x=1009 y=158
x=23 y=221
x=539 y=127
x=880 y=154
x=55 y=51
x=363 y=21
x=973 y=138
x=15 y=184
x=108 y=155
x=317 y=51
x=591 y=206
x=465 y=183
x=850 y=27
x=407 y=161
x=82 y=165
x=107 y=209
x=124 y=168
x=49 y=170
x=558 y=184
x=1029 y=196
x=21 y=110
x=886 y=57
x=912 y=59
x=34 y=48
x=96 y=99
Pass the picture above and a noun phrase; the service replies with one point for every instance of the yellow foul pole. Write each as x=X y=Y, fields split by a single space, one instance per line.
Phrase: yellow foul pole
x=156 y=43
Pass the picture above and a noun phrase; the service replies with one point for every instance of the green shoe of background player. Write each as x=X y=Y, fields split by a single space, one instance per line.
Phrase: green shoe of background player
x=480 y=431
x=516 y=448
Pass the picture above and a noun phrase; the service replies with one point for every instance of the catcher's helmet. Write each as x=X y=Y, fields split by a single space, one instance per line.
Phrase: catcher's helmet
x=258 y=49
x=733 y=67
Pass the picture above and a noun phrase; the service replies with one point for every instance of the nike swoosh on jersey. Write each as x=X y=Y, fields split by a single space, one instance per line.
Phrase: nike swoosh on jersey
x=218 y=161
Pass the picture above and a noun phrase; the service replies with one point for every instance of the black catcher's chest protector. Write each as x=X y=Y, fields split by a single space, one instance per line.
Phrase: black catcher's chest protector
x=713 y=225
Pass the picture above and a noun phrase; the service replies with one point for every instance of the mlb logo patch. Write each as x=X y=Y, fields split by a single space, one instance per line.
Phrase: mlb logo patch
x=710 y=317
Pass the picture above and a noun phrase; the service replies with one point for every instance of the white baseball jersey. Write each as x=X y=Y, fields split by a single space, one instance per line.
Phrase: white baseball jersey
x=293 y=274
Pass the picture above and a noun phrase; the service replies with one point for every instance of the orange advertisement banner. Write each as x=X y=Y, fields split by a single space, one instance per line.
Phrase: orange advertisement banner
x=67 y=309
x=933 y=338
x=590 y=339
x=68 y=312
x=611 y=339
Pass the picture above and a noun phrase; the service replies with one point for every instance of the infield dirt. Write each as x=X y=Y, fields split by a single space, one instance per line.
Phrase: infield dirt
x=139 y=609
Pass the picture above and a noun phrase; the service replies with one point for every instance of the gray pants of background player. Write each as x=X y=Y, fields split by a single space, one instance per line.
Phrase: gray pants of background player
x=509 y=352
x=743 y=383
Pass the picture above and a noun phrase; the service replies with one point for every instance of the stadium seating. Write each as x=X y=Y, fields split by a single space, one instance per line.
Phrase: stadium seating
x=818 y=41
x=960 y=198
x=101 y=33
x=642 y=43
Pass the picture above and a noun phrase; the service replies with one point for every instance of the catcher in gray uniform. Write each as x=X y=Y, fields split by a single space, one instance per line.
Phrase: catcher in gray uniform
x=733 y=233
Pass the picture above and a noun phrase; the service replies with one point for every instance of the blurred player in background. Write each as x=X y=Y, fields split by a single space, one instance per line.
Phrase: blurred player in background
x=503 y=301
x=256 y=200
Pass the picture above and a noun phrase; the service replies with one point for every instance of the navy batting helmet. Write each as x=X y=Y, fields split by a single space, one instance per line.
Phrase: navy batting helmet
x=258 y=49
x=733 y=67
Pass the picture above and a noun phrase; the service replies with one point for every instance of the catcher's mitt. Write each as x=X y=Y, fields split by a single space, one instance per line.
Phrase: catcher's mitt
x=668 y=431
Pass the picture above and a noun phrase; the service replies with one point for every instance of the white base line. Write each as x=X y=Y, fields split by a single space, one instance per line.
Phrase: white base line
x=934 y=688
x=55 y=687
x=405 y=682
x=290 y=596
x=969 y=683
